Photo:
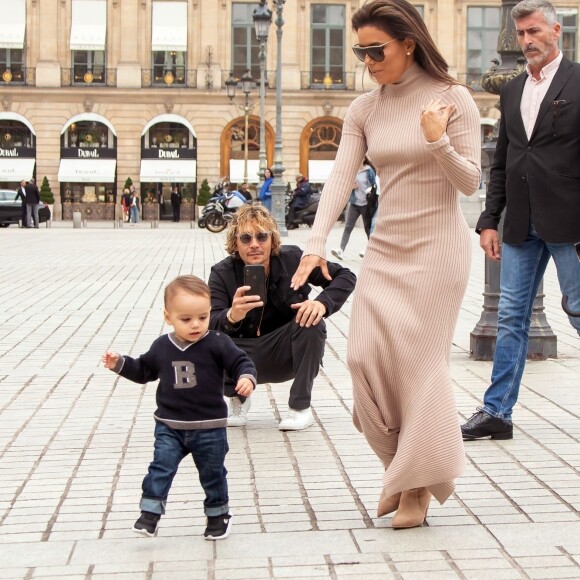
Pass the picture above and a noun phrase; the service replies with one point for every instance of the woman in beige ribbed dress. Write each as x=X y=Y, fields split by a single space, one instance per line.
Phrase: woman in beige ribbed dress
x=421 y=131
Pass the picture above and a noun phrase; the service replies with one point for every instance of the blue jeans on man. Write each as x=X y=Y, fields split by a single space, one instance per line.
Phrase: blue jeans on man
x=522 y=269
x=208 y=448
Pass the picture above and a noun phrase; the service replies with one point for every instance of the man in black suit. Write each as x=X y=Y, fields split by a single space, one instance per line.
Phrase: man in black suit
x=21 y=194
x=535 y=177
x=176 y=203
x=32 y=203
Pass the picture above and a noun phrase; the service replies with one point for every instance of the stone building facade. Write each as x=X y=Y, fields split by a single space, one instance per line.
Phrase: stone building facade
x=93 y=92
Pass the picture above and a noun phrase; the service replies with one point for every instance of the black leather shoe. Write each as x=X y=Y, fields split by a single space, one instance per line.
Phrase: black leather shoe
x=481 y=424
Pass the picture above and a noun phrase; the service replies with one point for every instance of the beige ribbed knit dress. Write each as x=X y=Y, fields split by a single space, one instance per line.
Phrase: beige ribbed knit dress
x=413 y=276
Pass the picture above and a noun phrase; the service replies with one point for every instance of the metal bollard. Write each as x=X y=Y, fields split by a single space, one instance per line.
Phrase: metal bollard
x=77 y=217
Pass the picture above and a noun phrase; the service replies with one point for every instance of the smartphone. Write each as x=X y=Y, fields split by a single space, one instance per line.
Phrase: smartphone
x=255 y=277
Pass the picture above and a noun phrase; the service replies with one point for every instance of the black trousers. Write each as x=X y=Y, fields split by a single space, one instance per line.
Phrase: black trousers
x=290 y=352
x=176 y=212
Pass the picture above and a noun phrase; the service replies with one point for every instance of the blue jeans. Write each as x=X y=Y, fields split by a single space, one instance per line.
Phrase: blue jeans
x=134 y=214
x=208 y=448
x=522 y=269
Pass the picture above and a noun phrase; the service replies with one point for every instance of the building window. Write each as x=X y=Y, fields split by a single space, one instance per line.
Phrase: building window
x=168 y=135
x=15 y=134
x=245 y=46
x=568 y=18
x=482 y=29
x=89 y=66
x=168 y=67
x=12 y=65
x=420 y=9
x=327 y=46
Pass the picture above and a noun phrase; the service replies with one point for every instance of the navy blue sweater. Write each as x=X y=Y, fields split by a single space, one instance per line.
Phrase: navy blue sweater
x=191 y=378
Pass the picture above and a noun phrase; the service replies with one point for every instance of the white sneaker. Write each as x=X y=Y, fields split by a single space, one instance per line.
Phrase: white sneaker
x=337 y=253
x=296 y=420
x=238 y=412
x=362 y=253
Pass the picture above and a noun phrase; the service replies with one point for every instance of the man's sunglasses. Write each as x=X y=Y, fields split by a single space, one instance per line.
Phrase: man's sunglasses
x=261 y=237
x=375 y=52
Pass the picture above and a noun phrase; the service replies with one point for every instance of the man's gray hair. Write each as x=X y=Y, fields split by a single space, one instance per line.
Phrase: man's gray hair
x=527 y=7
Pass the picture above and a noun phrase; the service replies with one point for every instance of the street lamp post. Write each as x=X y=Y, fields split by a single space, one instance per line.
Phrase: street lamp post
x=278 y=186
x=247 y=107
x=262 y=18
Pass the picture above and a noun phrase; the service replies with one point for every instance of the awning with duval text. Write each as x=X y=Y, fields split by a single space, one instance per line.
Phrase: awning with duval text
x=87 y=170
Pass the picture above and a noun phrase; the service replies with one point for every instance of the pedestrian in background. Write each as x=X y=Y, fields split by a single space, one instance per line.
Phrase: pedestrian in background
x=191 y=415
x=265 y=194
x=421 y=130
x=245 y=191
x=21 y=194
x=357 y=206
x=176 y=203
x=126 y=204
x=534 y=178
x=32 y=203
x=134 y=207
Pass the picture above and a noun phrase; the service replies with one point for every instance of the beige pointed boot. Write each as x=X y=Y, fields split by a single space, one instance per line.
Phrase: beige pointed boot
x=388 y=504
x=413 y=508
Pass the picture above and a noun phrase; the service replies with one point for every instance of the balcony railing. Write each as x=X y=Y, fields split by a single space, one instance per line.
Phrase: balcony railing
x=18 y=76
x=81 y=76
x=173 y=79
x=318 y=80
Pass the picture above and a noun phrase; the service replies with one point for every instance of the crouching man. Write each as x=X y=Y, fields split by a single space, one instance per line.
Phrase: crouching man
x=284 y=337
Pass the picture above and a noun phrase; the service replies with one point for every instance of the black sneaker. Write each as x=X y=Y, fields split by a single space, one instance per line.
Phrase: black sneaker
x=147 y=523
x=218 y=527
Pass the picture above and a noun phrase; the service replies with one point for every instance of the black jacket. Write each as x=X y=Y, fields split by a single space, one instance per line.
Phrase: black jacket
x=539 y=178
x=20 y=194
x=175 y=199
x=32 y=193
x=301 y=195
x=227 y=276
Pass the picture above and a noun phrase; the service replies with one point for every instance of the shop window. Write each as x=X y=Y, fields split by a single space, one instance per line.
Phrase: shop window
x=88 y=134
x=169 y=67
x=168 y=136
x=327 y=46
x=12 y=65
x=15 y=134
x=568 y=18
x=483 y=24
x=245 y=46
x=88 y=66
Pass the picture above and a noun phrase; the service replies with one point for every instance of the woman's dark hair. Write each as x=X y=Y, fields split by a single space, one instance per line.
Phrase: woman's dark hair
x=401 y=20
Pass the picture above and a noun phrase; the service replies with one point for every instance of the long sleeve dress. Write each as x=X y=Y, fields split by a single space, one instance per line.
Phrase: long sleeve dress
x=413 y=276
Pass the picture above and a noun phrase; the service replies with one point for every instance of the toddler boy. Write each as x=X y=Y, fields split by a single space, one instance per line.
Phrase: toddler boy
x=191 y=415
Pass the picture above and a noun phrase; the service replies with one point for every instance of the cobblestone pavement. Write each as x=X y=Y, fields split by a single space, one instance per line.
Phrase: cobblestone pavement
x=75 y=440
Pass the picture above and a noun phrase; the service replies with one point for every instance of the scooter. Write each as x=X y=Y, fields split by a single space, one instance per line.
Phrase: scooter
x=304 y=215
x=218 y=211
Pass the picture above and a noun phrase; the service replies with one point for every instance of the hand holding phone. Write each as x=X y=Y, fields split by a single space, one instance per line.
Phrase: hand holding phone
x=255 y=278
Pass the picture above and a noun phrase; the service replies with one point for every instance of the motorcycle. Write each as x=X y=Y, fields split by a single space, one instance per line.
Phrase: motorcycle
x=219 y=210
x=304 y=215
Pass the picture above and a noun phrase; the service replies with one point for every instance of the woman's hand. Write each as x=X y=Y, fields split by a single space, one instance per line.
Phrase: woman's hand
x=434 y=119
x=307 y=264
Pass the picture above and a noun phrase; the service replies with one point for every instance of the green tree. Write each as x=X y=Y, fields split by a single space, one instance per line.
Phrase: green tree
x=128 y=183
x=46 y=194
x=204 y=193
